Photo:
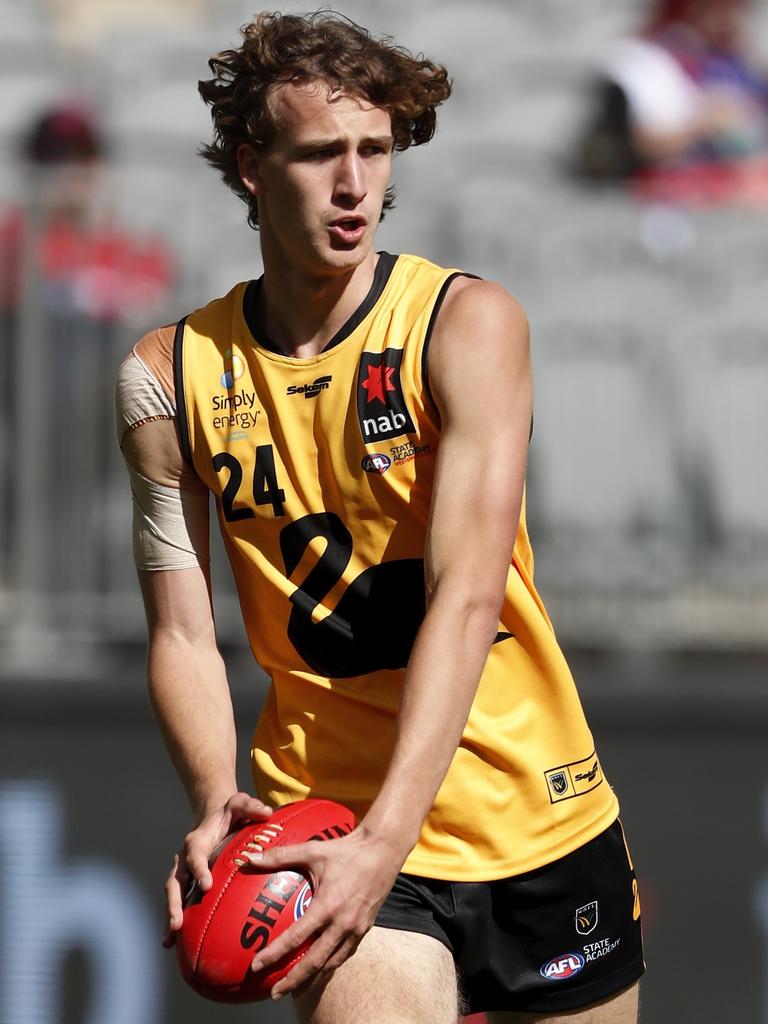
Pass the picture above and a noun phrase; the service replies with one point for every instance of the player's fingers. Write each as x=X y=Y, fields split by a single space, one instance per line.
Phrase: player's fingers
x=335 y=960
x=291 y=939
x=311 y=967
x=243 y=805
x=173 y=899
x=342 y=953
x=196 y=854
x=306 y=855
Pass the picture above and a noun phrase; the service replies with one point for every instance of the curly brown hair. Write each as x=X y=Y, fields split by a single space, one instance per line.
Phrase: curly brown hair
x=327 y=47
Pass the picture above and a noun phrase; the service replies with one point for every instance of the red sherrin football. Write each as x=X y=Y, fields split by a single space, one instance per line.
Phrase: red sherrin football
x=245 y=909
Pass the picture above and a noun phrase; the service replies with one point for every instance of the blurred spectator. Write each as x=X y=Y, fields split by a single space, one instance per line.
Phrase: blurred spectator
x=679 y=94
x=70 y=276
x=89 y=265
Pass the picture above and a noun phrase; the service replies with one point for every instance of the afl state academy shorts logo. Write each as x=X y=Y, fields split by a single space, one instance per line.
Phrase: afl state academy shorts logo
x=586 y=917
x=562 y=967
x=302 y=901
x=381 y=411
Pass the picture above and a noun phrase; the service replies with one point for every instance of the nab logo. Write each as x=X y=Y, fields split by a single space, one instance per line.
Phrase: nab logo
x=376 y=463
x=311 y=390
x=562 y=967
x=302 y=901
x=381 y=409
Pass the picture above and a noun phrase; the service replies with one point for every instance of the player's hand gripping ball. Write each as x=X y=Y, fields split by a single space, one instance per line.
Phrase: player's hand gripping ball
x=245 y=909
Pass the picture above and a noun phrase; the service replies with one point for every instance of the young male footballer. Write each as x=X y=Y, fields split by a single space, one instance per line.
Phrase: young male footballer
x=363 y=419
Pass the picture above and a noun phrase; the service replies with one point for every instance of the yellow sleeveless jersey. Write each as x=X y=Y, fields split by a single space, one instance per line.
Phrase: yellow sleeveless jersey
x=322 y=469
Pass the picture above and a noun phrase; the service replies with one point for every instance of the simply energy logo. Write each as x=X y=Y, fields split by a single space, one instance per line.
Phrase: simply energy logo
x=236 y=410
x=233 y=369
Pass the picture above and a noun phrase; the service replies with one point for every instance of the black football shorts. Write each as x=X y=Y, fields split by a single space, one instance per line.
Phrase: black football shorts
x=557 y=938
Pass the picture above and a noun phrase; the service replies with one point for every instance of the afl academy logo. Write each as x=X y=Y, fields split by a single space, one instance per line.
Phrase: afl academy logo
x=302 y=901
x=381 y=409
x=562 y=967
x=376 y=463
x=586 y=917
x=559 y=782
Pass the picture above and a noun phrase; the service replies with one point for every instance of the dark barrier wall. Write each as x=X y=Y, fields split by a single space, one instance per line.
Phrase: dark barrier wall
x=90 y=813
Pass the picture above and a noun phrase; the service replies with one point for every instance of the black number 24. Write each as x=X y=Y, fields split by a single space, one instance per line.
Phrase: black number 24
x=265 y=487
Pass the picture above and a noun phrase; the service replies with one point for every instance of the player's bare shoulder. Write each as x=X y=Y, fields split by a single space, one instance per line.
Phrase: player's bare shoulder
x=481 y=332
x=145 y=407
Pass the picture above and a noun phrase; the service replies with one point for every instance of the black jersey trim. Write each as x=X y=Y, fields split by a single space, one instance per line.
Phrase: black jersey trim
x=430 y=328
x=381 y=275
x=178 y=383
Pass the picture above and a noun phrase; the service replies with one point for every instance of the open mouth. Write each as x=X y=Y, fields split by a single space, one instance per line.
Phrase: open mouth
x=348 y=230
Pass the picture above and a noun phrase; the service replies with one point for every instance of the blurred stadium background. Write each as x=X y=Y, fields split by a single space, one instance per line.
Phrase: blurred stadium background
x=648 y=489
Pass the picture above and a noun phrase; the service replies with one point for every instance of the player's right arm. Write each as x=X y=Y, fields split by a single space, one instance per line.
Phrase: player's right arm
x=187 y=679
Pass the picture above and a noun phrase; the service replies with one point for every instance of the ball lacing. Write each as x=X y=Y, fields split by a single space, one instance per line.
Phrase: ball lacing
x=259 y=841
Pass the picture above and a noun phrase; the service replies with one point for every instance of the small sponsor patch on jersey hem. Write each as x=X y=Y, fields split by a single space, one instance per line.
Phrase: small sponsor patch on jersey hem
x=575 y=779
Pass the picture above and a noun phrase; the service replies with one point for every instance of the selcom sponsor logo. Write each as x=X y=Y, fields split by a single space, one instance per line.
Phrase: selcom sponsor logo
x=311 y=390
x=381 y=409
x=562 y=967
x=376 y=463
x=588 y=776
x=302 y=901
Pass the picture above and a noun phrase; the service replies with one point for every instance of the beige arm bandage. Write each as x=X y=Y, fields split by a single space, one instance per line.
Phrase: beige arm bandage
x=170 y=525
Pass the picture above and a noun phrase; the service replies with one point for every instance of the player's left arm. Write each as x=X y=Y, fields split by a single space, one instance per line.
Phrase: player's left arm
x=479 y=373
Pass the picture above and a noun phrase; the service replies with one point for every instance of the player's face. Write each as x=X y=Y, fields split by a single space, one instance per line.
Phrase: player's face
x=321 y=181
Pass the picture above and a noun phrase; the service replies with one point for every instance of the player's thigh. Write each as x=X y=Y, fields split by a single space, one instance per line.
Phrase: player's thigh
x=395 y=977
x=616 y=1009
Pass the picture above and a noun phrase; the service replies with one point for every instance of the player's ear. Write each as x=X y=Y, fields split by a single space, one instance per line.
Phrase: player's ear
x=248 y=168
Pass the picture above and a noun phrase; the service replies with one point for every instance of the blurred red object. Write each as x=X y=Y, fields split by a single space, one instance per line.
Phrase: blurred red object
x=101 y=272
x=713 y=183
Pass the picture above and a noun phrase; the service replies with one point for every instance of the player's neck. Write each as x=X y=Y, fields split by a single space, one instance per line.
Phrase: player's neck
x=301 y=312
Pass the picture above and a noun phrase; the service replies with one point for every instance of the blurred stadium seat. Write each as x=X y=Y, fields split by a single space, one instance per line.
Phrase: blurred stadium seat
x=603 y=473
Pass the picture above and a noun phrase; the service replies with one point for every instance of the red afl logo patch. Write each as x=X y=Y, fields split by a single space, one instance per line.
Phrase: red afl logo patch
x=562 y=967
x=376 y=463
x=302 y=901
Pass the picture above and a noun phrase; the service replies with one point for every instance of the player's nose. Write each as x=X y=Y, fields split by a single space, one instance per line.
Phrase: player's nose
x=350 y=181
